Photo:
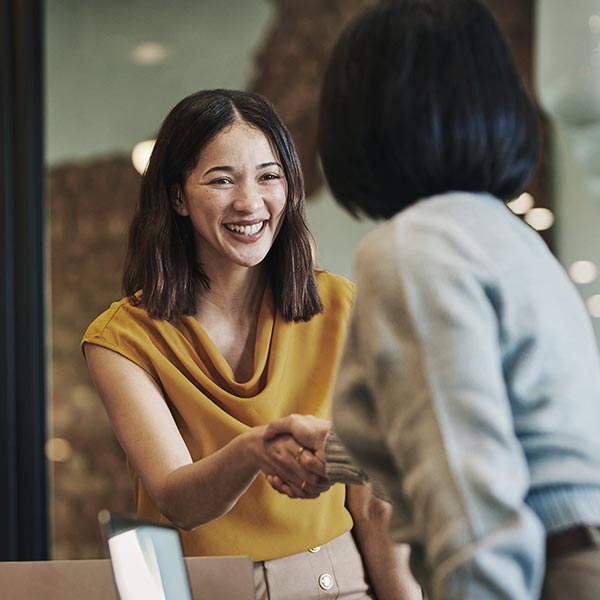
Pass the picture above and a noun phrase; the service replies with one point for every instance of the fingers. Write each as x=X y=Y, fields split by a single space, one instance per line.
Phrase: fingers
x=285 y=458
x=279 y=485
x=313 y=464
x=302 y=472
x=277 y=427
x=308 y=430
x=304 y=490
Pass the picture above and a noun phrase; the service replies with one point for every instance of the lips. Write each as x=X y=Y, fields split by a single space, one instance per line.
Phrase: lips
x=245 y=229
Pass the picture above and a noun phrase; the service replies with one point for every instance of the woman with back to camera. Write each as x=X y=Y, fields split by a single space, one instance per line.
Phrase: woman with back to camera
x=226 y=326
x=470 y=383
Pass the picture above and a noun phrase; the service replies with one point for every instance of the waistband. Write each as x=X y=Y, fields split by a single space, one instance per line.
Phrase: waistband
x=582 y=537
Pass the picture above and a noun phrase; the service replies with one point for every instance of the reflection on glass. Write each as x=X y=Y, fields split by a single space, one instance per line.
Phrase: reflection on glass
x=593 y=304
x=147 y=560
x=140 y=156
x=539 y=218
x=136 y=568
x=521 y=204
x=583 y=271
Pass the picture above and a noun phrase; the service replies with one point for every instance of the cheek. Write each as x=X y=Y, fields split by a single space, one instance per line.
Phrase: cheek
x=280 y=202
x=279 y=217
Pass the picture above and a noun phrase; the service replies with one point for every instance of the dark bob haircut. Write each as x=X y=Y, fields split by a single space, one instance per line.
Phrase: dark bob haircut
x=161 y=259
x=422 y=97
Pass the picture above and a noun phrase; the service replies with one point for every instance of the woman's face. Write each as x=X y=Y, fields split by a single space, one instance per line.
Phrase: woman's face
x=235 y=198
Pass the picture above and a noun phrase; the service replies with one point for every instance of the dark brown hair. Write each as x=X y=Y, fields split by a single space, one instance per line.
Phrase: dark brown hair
x=161 y=260
x=422 y=97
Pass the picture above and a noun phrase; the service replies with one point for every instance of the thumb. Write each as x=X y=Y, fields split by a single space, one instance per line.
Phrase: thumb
x=276 y=428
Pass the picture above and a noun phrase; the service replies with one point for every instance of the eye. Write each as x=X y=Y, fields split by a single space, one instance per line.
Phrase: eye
x=221 y=181
x=270 y=176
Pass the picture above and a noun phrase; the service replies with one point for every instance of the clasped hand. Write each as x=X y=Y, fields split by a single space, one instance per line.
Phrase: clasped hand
x=296 y=448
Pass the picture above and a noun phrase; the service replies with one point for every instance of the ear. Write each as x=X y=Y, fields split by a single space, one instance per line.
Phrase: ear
x=178 y=202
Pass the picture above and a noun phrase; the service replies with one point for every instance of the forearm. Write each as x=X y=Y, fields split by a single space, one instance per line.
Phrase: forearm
x=387 y=566
x=209 y=488
x=386 y=563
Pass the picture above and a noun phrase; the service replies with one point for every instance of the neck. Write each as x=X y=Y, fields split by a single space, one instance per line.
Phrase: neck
x=234 y=291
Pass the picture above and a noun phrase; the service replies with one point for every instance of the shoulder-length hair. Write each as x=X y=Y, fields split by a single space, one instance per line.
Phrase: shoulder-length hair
x=161 y=260
x=422 y=97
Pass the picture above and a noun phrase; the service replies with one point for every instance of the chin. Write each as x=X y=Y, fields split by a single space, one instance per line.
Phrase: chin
x=249 y=263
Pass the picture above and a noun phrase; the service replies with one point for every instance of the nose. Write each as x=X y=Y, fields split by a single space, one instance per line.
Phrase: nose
x=248 y=199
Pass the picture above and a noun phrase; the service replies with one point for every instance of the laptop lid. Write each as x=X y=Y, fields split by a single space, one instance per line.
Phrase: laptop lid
x=146 y=558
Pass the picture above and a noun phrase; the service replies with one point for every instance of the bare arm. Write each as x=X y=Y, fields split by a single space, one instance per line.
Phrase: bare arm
x=188 y=493
x=386 y=563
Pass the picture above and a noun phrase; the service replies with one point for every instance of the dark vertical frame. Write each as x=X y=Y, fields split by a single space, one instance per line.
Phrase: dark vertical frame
x=23 y=473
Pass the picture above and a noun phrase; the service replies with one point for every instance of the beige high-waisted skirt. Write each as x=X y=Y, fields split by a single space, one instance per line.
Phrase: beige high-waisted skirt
x=334 y=570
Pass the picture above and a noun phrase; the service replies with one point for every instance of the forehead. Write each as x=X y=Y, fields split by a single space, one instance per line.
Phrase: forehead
x=238 y=142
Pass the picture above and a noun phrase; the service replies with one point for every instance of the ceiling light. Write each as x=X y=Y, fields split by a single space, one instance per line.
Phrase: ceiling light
x=521 y=204
x=58 y=450
x=149 y=53
x=583 y=271
x=594 y=23
x=140 y=155
x=539 y=218
x=593 y=304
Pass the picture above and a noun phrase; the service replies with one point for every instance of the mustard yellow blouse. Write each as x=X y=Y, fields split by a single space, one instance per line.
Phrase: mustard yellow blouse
x=294 y=369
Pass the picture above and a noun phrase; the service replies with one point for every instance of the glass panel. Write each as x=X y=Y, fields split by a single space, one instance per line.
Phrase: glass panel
x=114 y=69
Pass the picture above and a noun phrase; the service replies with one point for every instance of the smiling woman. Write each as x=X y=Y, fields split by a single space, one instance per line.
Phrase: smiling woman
x=223 y=306
x=203 y=148
x=235 y=198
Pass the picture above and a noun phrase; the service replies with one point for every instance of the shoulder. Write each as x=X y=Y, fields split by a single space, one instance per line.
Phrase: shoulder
x=122 y=323
x=334 y=289
x=436 y=232
x=130 y=331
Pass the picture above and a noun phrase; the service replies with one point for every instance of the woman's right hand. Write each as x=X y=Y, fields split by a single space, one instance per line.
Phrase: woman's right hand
x=308 y=430
x=304 y=436
x=294 y=468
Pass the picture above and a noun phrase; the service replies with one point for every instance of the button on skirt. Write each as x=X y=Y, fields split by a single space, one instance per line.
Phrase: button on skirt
x=334 y=570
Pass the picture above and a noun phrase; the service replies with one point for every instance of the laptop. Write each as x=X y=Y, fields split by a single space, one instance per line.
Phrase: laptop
x=146 y=558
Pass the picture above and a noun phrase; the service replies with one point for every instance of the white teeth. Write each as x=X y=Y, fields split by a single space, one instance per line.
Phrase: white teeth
x=246 y=229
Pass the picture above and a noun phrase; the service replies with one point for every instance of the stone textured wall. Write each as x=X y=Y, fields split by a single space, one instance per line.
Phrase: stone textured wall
x=292 y=59
x=290 y=66
x=90 y=206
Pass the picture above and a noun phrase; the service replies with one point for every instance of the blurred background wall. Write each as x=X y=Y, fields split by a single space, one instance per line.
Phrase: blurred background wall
x=114 y=69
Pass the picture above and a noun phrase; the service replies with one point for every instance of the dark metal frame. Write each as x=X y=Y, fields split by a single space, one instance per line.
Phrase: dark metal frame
x=23 y=468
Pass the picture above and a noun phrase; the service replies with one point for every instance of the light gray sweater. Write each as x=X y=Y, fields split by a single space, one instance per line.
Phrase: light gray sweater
x=470 y=388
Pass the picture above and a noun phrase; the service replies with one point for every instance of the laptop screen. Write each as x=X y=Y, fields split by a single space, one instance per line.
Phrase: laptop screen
x=146 y=559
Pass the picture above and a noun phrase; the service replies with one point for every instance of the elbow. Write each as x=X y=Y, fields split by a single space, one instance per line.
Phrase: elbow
x=177 y=519
x=174 y=512
x=181 y=517
x=377 y=511
x=181 y=524
x=182 y=510
x=367 y=508
x=186 y=521
x=172 y=504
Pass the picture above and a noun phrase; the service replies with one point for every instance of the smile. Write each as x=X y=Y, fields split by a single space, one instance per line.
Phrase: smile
x=245 y=229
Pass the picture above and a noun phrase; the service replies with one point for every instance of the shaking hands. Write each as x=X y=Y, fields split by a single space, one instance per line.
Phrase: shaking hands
x=297 y=447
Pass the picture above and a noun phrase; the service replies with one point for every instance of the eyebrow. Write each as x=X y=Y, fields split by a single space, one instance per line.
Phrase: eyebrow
x=230 y=169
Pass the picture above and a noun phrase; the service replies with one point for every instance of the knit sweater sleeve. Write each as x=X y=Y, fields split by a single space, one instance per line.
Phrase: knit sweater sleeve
x=421 y=400
x=341 y=468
